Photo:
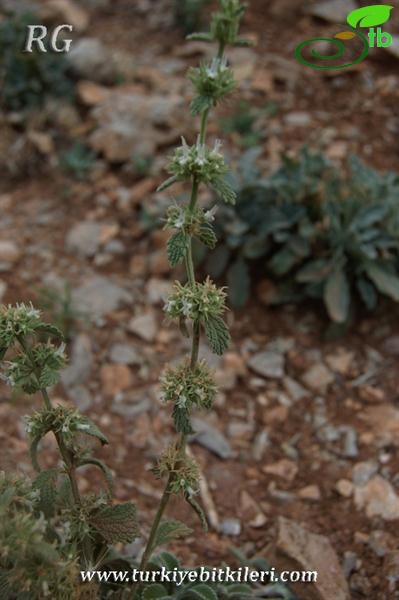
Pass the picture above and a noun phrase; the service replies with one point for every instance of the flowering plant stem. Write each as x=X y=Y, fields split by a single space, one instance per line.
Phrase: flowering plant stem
x=196 y=334
x=67 y=455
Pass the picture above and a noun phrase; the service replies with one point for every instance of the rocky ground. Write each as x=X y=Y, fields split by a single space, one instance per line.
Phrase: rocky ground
x=300 y=456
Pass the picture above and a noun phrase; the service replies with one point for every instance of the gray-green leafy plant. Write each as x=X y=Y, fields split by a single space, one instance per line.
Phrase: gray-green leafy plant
x=317 y=233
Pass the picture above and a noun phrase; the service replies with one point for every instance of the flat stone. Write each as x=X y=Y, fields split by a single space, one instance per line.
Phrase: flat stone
x=344 y=488
x=125 y=354
x=310 y=493
x=284 y=468
x=211 y=438
x=230 y=527
x=115 y=379
x=298 y=119
x=85 y=238
x=99 y=296
x=362 y=472
x=341 y=361
x=269 y=364
x=318 y=378
x=294 y=389
x=383 y=421
x=378 y=499
x=296 y=549
x=144 y=326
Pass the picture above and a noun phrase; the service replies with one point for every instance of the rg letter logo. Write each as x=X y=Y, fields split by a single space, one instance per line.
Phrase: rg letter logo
x=38 y=37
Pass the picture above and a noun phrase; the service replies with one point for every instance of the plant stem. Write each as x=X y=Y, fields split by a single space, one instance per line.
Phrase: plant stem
x=66 y=454
x=193 y=361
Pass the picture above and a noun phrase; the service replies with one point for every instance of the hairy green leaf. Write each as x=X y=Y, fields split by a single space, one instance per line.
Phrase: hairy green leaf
x=167 y=183
x=177 y=248
x=223 y=190
x=207 y=236
x=46 y=484
x=170 y=530
x=181 y=418
x=218 y=334
x=116 y=523
x=87 y=427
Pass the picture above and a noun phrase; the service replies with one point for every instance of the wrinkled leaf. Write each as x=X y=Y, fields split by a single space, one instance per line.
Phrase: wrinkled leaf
x=337 y=296
x=369 y=16
x=170 y=530
x=89 y=428
x=46 y=484
x=176 y=248
x=116 y=523
x=223 y=190
x=218 y=334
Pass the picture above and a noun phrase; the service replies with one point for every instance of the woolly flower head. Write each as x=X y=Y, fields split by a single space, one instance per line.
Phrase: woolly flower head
x=17 y=321
x=211 y=82
x=185 y=470
x=204 y=163
x=188 y=387
x=196 y=302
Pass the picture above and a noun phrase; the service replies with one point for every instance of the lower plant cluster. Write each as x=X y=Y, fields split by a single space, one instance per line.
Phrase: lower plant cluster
x=316 y=233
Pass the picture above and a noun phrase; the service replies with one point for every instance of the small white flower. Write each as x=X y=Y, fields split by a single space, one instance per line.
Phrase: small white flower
x=186 y=308
x=83 y=426
x=182 y=401
x=210 y=214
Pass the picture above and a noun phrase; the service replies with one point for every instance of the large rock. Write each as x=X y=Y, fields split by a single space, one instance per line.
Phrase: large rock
x=269 y=364
x=296 y=549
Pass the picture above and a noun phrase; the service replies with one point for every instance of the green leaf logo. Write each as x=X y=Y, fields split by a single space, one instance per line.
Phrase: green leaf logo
x=369 y=16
